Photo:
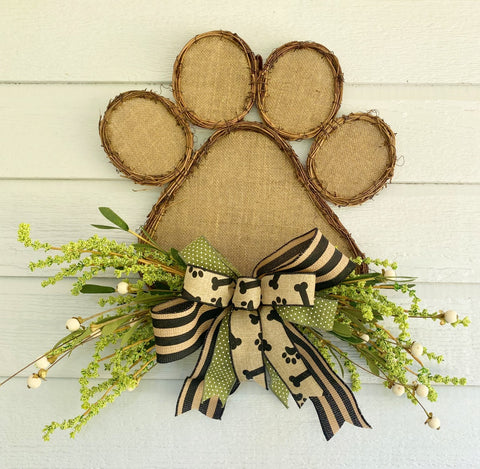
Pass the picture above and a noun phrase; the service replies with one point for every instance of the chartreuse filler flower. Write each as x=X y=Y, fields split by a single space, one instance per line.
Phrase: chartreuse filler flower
x=150 y=275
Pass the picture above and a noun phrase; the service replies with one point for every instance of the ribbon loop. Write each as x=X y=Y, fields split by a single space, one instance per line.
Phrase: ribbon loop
x=210 y=288
x=288 y=289
x=247 y=294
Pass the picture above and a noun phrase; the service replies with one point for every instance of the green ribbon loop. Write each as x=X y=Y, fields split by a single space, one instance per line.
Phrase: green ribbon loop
x=202 y=254
x=321 y=316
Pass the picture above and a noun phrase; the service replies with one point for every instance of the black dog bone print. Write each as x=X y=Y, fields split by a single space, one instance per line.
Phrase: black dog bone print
x=254 y=318
x=302 y=289
x=274 y=281
x=251 y=374
x=219 y=282
x=297 y=380
x=273 y=316
x=244 y=286
x=299 y=397
x=234 y=341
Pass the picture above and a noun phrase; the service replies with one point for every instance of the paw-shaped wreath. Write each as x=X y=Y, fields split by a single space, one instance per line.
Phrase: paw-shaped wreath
x=245 y=189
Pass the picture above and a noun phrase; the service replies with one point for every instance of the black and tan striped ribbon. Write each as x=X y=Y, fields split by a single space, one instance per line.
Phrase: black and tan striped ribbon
x=180 y=327
x=192 y=391
x=337 y=405
x=310 y=252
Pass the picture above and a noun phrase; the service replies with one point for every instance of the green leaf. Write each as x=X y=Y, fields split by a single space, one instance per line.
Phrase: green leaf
x=110 y=328
x=351 y=340
x=127 y=336
x=372 y=355
x=110 y=215
x=177 y=258
x=104 y=227
x=84 y=334
x=373 y=366
x=67 y=338
x=154 y=244
x=140 y=247
x=145 y=233
x=334 y=355
x=342 y=329
x=91 y=288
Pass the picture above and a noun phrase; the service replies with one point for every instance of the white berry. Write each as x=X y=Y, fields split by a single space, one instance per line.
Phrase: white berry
x=365 y=337
x=42 y=363
x=450 y=316
x=434 y=422
x=33 y=382
x=390 y=274
x=122 y=288
x=421 y=390
x=73 y=324
x=416 y=349
x=398 y=389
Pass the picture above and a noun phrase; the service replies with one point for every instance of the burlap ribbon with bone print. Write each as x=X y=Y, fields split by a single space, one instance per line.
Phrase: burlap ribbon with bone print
x=247 y=328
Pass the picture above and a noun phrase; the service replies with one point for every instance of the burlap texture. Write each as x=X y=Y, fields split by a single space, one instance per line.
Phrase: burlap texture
x=145 y=136
x=353 y=158
x=213 y=79
x=245 y=196
x=300 y=91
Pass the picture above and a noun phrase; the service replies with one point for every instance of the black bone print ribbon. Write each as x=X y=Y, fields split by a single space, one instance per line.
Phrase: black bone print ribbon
x=246 y=326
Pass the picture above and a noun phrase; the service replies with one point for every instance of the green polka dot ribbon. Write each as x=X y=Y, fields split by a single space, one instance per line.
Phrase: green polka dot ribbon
x=246 y=327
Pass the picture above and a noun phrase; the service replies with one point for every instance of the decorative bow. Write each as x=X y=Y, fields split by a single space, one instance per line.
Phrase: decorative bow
x=247 y=328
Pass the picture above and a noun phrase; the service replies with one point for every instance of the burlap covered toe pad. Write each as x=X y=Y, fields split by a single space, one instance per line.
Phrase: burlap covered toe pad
x=300 y=89
x=146 y=137
x=214 y=79
x=352 y=158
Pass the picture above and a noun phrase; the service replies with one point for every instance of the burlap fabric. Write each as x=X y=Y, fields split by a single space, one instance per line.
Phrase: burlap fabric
x=146 y=137
x=247 y=187
x=300 y=89
x=214 y=79
x=352 y=159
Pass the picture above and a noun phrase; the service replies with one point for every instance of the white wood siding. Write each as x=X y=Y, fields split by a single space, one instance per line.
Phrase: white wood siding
x=417 y=63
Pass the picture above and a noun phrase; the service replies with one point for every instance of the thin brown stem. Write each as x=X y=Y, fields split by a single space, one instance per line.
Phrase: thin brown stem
x=148 y=339
x=95 y=326
x=137 y=373
x=103 y=397
x=166 y=268
x=398 y=343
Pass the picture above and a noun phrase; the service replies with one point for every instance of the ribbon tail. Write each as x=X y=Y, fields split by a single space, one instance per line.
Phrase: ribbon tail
x=285 y=359
x=338 y=404
x=246 y=344
x=180 y=327
x=277 y=386
x=220 y=377
x=192 y=391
